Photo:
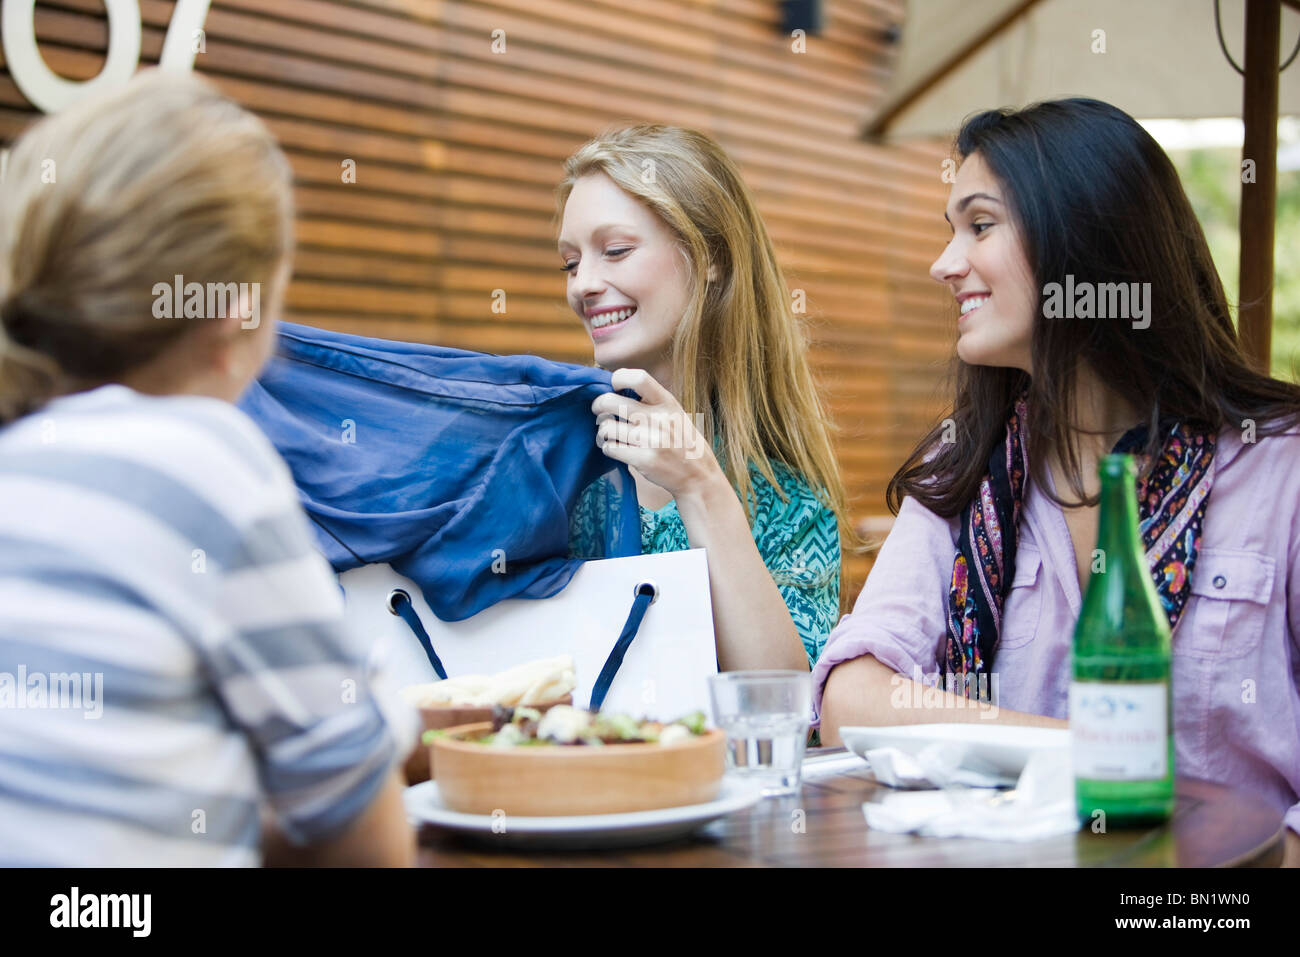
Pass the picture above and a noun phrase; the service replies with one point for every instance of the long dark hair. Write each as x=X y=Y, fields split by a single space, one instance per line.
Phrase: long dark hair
x=1094 y=197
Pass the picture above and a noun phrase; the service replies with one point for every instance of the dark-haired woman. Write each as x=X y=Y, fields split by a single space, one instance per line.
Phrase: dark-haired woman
x=1091 y=320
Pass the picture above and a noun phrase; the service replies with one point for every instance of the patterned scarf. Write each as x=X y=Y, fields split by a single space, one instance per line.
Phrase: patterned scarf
x=1171 y=510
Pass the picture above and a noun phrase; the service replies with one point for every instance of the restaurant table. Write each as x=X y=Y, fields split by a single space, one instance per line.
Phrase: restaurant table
x=823 y=826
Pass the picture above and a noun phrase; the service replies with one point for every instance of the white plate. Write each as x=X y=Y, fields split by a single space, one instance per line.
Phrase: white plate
x=989 y=748
x=424 y=805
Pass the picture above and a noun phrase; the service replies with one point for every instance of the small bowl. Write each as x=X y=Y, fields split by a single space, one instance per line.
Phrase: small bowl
x=566 y=780
x=438 y=717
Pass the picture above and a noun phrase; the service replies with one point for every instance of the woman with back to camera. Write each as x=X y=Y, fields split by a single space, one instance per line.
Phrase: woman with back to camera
x=150 y=536
x=1075 y=195
x=673 y=275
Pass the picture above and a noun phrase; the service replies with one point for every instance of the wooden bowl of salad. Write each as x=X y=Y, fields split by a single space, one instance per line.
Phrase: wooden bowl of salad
x=571 y=762
x=467 y=699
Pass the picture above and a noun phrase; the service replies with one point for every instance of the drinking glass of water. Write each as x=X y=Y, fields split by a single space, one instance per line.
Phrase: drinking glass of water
x=765 y=715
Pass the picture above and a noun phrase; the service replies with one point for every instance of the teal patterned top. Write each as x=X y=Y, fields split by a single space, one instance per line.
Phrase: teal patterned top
x=798 y=539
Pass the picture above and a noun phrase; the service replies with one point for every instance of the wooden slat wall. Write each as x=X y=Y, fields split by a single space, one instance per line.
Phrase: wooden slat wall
x=458 y=150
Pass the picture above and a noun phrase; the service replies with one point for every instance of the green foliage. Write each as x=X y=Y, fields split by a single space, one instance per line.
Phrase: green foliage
x=1212 y=179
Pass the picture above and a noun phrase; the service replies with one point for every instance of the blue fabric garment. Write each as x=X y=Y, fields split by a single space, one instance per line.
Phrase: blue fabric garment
x=459 y=469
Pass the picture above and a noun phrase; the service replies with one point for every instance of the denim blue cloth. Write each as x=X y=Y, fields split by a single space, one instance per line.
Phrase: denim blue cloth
x=459 y=469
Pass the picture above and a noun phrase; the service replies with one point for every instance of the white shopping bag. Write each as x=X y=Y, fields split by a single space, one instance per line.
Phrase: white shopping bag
x=664 y=674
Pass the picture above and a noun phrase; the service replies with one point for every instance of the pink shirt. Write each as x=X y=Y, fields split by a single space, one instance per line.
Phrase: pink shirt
x=1236 y=650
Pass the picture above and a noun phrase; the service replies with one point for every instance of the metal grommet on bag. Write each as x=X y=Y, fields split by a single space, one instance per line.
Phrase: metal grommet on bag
x=394 y=596
x=640 y=588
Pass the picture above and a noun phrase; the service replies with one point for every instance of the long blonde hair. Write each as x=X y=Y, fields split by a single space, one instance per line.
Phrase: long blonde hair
x=163 y=176
x=739 y=354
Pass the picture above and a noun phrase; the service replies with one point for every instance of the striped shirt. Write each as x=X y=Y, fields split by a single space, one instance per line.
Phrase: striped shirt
x=170 y=654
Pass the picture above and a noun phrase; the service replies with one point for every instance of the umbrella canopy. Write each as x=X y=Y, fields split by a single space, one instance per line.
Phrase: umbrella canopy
x=1161 y=59
x=1152 y=59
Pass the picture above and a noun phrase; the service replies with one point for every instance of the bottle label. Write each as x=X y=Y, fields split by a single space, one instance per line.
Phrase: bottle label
x=1119 y=732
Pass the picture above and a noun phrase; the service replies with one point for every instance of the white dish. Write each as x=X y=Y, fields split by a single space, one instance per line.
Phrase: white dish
x=995 y=749
x=424 y=806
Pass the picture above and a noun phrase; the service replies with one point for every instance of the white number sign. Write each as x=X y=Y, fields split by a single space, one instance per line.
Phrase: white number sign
x=50 y=92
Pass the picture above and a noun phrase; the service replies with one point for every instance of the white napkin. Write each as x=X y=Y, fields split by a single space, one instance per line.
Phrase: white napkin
x=939 y=765
x=830 y=766
x=1040 y=806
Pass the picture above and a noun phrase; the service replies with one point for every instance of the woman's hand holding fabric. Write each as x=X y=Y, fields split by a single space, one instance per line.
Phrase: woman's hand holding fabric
x=655 y=436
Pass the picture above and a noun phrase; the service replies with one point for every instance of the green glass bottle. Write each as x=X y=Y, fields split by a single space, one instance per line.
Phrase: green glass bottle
x=1121 y=694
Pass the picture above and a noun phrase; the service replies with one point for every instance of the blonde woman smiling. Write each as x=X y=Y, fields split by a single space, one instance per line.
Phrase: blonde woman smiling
x=673 y=275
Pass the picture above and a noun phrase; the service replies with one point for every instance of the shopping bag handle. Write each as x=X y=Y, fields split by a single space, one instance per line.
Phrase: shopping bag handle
x=646 y=592
x=399 y=603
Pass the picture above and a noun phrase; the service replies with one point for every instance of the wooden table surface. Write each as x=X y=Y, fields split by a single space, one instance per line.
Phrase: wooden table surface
x=1213 y=825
